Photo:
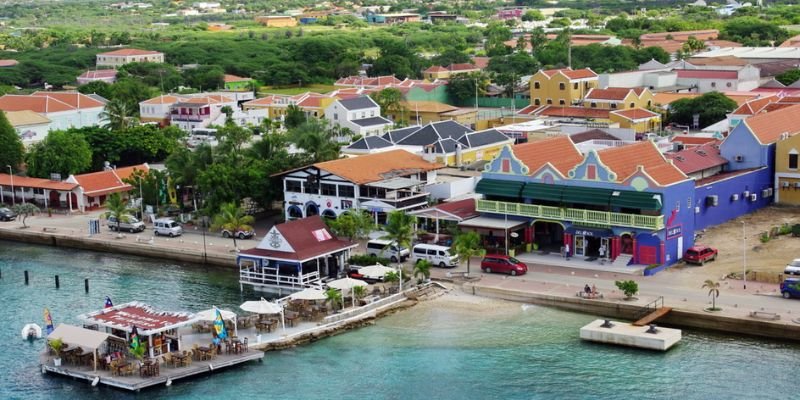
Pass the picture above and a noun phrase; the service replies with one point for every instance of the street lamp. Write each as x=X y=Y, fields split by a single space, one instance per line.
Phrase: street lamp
x=202 y=220
x=11 y=173
x=744 y=254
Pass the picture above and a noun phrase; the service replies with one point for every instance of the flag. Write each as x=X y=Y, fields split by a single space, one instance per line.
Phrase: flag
x=219 y=327
x=108 y=304
x=135 y=344
x=48 y=321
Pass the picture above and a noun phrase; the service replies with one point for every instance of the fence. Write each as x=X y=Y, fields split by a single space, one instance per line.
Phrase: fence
x=497 y=102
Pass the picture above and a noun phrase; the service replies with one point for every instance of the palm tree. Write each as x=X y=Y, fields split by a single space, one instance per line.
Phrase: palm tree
x=119 y=115
x=713 y=291
x=118 y=209
x=316 y=140
x=25 y=210
x=359 y=292
x=423 y=268
x=468 y=245
x=233 y=219
x=334 y=296
x=400 y=228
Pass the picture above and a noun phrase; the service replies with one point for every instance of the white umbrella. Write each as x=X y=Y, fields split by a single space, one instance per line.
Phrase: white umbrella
x=264 y=307
x=347 y=284
x=376 y=271
x=211 y=315
x=309 y=294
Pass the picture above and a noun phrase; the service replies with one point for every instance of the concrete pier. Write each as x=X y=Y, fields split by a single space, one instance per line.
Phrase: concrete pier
x=625 y=334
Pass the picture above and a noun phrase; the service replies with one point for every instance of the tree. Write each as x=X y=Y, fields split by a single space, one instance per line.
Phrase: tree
x=359 y=292
x=423 y=269
x=354 y=225
x=61 y=152
x=713 y=291
x=295 y=116
x=399 y=228
x=232 y=218
x=25 y=210
x=468 y=245
x=389 y=101
x=711 y=107
x=118 y=115
x=789 y=77
x=629 y=288
x=12 y=152
x=131 y=92
x=118 y=209
x=316 y=141
x=533 y=15
x=461 y=88
x=100 y=88
x=334 y=296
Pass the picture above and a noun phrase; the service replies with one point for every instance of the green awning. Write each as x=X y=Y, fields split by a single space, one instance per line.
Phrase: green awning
x=495 y=187
x=640 y=200
x=542 y=192
x=586 y=195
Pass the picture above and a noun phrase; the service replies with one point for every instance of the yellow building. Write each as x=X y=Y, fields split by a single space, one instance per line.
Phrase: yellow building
x=614 y=98
x=787 y=171
x=438 y=72
x=638 y=119
x=276 y=21
x=561 y=87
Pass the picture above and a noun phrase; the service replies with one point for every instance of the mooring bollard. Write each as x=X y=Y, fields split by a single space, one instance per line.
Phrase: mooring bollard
x=26 y=277
x=86 y=284
x=58 y=285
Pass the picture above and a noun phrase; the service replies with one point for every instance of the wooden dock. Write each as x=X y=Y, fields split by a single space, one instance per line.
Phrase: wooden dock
x=166 y=377
x=649 y=318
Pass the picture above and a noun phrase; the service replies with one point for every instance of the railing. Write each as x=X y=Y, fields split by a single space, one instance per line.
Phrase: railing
x=364 y=309
x=575 y=215
x=648 y=308
x=421 y=198
x=273 y=278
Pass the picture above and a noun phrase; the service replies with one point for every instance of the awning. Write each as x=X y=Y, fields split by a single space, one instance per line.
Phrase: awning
x=640 y=200
x=586 y=195
x=80 y=337
x=491 y=223
x=494 y=187
x=543 y=192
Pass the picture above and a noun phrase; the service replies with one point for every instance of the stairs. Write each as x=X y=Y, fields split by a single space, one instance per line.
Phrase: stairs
x=622 y=261
x=649 y=318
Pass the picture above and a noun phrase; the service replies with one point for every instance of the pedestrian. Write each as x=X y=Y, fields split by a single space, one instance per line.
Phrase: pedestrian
x=566 y=251
x=602 y=251
x=594 y=290
x=587 y=289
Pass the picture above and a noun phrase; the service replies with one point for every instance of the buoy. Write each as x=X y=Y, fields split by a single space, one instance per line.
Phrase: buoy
x=95 y=381
x=210 y=367
x=169 y=382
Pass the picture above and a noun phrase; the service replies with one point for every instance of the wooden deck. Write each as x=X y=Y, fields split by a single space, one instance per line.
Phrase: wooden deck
x=653 y=316
x=166 y=377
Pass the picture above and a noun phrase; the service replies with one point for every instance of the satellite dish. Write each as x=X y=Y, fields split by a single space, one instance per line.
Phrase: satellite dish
x=514 y=234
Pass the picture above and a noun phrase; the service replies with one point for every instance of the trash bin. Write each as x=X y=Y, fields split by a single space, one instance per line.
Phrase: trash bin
x=512 y=252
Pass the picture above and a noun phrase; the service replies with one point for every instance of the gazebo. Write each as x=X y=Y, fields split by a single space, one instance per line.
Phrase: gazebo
x=451 y=213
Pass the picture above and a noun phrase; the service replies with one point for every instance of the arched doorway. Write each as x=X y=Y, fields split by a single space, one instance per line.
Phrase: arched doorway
x=548 y=236
x=311 y=209
x=329 y=214
x=626 y=243
x=295 y=212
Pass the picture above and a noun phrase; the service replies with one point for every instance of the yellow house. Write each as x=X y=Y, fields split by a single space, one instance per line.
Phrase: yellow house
x=272 y=103
x=615 y=98
x=787 y=171
x=561 y=87
x=276 y=21
x=438 y=72
x=638 y=119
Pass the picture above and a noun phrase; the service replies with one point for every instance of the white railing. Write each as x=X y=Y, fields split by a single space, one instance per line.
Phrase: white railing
x=364 y=309
x=273 y=278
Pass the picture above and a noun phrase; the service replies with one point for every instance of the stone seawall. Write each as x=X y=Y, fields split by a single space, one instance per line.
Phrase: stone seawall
x=110 y=245
x=784 y=330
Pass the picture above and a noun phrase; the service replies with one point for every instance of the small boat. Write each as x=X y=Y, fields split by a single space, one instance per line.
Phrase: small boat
x=31 y=332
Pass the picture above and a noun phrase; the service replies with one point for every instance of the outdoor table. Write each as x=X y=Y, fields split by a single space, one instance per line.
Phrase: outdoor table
x=121 y=364
x=85 y=358
x=205 y=350
x=290 y=318
x=177 y=359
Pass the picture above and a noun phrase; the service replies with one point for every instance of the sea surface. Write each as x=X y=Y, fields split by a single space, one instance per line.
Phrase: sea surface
x=456 y=347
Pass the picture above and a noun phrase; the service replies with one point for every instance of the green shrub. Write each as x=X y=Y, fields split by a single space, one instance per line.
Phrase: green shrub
x=764 y=238
x=629 y=287
x=785 y=229
x=651 y=266
x=367 y=259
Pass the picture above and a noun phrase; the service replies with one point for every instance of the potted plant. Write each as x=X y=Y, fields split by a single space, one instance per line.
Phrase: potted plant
x=56 y=344
x=138 y=352
x=629 y=288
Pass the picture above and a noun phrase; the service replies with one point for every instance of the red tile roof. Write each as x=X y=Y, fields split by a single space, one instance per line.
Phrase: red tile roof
x=99 y=74
x=481 y=62
x=754 y=106
x=300 y=235
x=75 y=99
x=165 y=99
x=697 y=158
x=707 y=74
x=592 y=134
x=106 y=181
x=37 y=183
x=559 y=151
x=705 y=34
x=462 y=67
x=129 y=52
x=768 y=127
x=377 y=167
x=39 y=104
x=572 y=73
x=233 y=78
x=692 y=140
x=435 y=68
x=611 y=93
x=126 y=172
x=463 y=209
x=635 y=113
x=8 y=63
x=573 y=112
x=625 y=161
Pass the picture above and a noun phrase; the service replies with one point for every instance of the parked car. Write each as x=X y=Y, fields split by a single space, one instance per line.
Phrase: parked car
x=167 y=227
x=7 y=215
x=790 y=287
x=131 y=224
x=387 y=249
x=793 y=268
x=503 y=264
x=435 y=254
x=700 y=255
x=239 y=233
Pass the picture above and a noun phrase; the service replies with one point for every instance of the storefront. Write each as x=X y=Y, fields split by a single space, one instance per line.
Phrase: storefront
x=499 y=235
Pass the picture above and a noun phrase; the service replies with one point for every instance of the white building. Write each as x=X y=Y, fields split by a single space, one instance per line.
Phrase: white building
x=31 y=126
x=121 y=57
x=64 y=109
x=361 y=115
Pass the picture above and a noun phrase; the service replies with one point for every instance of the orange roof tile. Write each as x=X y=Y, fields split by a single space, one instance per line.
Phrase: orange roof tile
x=611 y=93
x=573 y=112
x=234 y=78
x=705 y=34
x=435 y=68
x=126 y=172
x=39 y=104
x=462 y=67
x=100 y=183
x=38 y=183
x=427 y=106
x=625 y=161
x=635 y=113
x=768 y=127
x=571 y=73
x=754 y=106
x=74 y=99
x=481 y=62
x=377 y=167
x=559 y=151
x=165 y=99
x=129 y=52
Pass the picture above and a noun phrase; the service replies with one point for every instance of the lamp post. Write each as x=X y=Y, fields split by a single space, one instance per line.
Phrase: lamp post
x=13 y=196
x=141 y=199
x=744 y=254
x=196 y=195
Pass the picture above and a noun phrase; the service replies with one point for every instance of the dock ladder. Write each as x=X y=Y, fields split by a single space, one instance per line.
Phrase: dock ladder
x=651 y=312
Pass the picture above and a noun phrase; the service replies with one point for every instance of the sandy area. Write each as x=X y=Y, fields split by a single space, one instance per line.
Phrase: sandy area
x=764 y=258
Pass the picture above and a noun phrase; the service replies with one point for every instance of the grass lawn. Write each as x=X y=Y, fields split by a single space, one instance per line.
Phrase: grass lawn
x=296 y=90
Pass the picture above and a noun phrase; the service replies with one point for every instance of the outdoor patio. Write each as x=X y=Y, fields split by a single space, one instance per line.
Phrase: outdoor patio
x=597 y=264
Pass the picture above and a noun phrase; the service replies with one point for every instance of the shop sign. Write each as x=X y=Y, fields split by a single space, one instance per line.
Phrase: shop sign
x=584 y=233
x=674 y=232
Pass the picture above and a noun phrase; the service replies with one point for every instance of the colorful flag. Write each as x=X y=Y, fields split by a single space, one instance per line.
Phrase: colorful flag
x=48 y=321
x=219 y=326
x=135 y=344
x=108 y=304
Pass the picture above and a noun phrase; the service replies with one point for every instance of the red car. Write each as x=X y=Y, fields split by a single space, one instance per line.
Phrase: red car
x=504 y=264
x=700 y=254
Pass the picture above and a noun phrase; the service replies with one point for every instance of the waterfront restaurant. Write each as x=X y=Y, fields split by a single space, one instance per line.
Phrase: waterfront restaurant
x=158 y=330
x=292 y=256
x=45 y=192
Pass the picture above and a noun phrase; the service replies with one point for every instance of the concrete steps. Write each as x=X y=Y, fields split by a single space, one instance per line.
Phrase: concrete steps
x=649 y=318
x=622 y=261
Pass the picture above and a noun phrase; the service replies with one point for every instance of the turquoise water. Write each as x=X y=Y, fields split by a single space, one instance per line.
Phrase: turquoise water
x=449 y=349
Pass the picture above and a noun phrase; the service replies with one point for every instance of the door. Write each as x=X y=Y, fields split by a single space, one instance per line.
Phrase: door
x=605 y=247
x=580 y=245
x=680 y=247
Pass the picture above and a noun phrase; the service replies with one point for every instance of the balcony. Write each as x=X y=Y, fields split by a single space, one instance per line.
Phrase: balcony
x=400 y=202
x=573 y=215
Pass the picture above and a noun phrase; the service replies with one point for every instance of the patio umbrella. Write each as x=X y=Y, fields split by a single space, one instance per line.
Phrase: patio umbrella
x=347 y=284
x=211 y=314
x=309 y=294
x=263 y=307
x=376 y=271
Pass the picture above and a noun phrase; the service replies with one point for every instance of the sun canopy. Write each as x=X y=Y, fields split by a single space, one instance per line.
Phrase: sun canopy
x=309 y=294
x=146 y=319
x=80 y=337
x=376 y=271
x=491 y=223
x=261 y=307
x=211 y=315
x=346 y=283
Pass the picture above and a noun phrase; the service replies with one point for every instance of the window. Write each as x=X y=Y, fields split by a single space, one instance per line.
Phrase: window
x=431 y=252
x=689 y=202
x=613 y=105
x=328 y=189
x=729 y=84
x=335 y=117
x=575 y=85
x=347 y=191
x=537 y=102
x=294 y=186
x=633 y=105
x=793 y=161
x=549 y=101
x=536 y=85
x=562 y=86
x=562 y=102
x=593 y=105
x=713 y=84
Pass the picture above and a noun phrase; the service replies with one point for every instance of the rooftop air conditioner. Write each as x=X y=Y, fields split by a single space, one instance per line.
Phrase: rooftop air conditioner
x=738 y=158
x=712 y=201
x=735 y=197
x=765 y=193
x=753 y=197
x=746 y=194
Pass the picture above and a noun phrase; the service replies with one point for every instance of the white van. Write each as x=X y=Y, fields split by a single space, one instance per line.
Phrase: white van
x=436 y=255
x=167 y=227
x=793 y=268
x=387 y=249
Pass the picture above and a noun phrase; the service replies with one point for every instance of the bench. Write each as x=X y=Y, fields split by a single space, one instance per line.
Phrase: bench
x=585 y=295
x=765 y=315
x=48 y=229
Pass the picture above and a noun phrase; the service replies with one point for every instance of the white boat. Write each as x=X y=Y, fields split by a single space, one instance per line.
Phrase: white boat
x=31 y=331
